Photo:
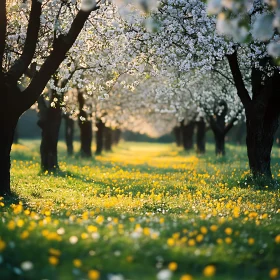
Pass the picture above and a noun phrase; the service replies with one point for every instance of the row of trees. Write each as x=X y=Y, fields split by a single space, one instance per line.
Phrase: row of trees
x=133 y=68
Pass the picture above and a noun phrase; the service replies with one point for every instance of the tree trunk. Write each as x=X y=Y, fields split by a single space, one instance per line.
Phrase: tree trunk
x=200 y=136
x=259 y=145
x=262 y=112
x=108 y=139
x=99 y=137
x=8 y=125
x=262 y=121
x=85 y=127
x=262 y=125
x=116 y=136
x=49 y=122
x=69 y=133
x=86 y=138
x=219 y=128
x=178 y=135
x=187 y=135
x=15 y=101
x=220 y=143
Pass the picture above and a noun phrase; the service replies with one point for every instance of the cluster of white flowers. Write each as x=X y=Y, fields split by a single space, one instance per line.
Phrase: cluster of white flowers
x=242 y=19
x=145 y=65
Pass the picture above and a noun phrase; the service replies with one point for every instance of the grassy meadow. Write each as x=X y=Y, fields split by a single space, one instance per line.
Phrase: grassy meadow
x=145 y=211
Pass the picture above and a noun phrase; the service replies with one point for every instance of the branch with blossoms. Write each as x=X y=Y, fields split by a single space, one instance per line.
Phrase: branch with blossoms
x=247 y=20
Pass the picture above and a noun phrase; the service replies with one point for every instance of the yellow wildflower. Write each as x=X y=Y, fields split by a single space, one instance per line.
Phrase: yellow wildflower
x=170 y=242
x=54 y=252
x=186 y=277
x=277 y=239
x=93 y=274
x=213 y=228
x=228 y=240
x=251 y=241
x=173 y=266
x=53 y=260
x=228 y=231
x=24 y=234
x=203 y=230
x=209 y=271
x=2 y=245
x=77 y=263
x=273 y=273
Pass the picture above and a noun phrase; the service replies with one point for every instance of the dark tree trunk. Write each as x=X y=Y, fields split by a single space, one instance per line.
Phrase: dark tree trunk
x=116 y=136
x=10 y=111
x=86 y=138
x=219 y=127
x=69 y=133
x=14 y=101
x=262 y=113
x=200 y=136
x=178 y=135
x=108 y=139
x=259 y=142
x=49 y=122
x=8 y=125
x=187 y=135
x=99 y=136
x=219 y=144
x=85 y=127
x=262 y=123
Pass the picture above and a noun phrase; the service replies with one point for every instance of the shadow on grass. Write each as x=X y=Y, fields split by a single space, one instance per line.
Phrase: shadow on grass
x=13 y=198
x=62 y=174
x=260 y=183
x=21 y=156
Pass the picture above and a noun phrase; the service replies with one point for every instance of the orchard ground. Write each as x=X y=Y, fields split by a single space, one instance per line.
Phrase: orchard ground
x=146 y=211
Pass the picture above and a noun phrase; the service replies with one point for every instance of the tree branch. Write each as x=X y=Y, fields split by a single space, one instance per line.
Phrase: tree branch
x=238 y=80
x=223 y=75
x=60 y=48
x=3 y=27
x=21 y=65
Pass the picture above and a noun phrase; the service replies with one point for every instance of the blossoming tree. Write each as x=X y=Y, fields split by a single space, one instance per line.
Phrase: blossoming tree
x=64 y=20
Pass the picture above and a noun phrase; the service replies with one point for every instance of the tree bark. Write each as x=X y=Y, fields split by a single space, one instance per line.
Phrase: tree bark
x=220 y=144
x=85 y=128
x=262 y=113
x=259 y=142
x=86 y=138
x=49 y=122
x=116 y=136
x=10 y=112
x=13 y=101
x=108 y=139
x=69 y=133
x=187 y=135
x=219 y=126
x=99 y=136
x=8 y=126
x=262 y=121
x=200 y=136
x=178 y=135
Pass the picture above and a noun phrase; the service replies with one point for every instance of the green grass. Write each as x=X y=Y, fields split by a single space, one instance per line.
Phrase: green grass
x=142 y=210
